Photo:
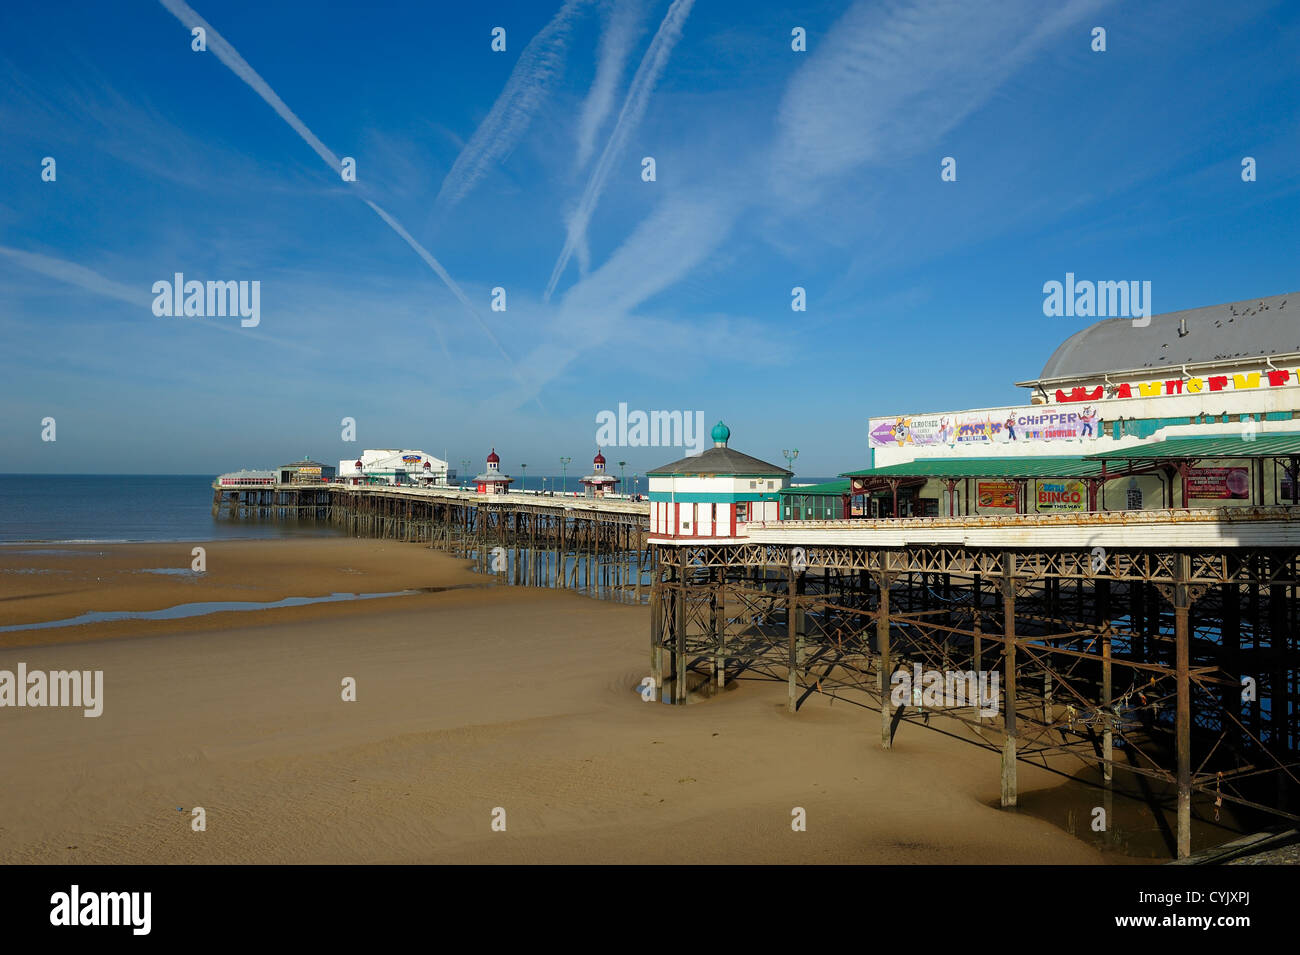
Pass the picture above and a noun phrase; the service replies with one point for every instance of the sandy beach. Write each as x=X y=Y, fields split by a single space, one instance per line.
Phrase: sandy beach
x=468 y=699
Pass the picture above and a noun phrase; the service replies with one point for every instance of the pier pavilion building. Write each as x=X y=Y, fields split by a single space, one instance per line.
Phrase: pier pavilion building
x=598 y=483
x=246 y=477
x=396 y=467
x=492 y=481
x=710 y=497
x=305 y=471
x=1197 y=408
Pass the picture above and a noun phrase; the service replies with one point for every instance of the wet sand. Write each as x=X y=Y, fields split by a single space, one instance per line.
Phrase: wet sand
x=468 y=700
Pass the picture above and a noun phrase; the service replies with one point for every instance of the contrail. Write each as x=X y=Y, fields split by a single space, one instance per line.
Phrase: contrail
x=227 y=54
x=434 y=264
x=539 y=64
x=78 y=275
x=239 y=66
x=622 y=24
x=634 y=106
x=73 y=274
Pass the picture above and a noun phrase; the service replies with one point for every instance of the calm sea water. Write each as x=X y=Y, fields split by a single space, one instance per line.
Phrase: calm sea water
x=146 y=507
x=122 y=507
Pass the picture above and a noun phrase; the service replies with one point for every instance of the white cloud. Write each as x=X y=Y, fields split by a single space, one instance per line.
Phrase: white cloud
x=891 y=79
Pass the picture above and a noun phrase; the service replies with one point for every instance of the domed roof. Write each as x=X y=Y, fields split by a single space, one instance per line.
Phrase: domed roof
x=721 y=433
x=599 y=458
x=1248 y=329
x=493 y=457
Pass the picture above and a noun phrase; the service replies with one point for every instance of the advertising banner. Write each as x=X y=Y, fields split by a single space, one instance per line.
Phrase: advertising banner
x=996 y=493
x=1219 y=483
x=309 y=472
x=1062 y=496
x=1007 y=427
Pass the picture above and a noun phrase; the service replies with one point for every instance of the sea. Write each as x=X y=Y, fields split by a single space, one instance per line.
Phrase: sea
x=109 y=508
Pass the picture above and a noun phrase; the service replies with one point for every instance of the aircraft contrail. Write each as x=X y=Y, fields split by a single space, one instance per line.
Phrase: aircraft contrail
x=227 y=54
x=634 y=106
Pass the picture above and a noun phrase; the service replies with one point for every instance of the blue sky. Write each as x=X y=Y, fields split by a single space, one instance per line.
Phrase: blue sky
x=774 y=168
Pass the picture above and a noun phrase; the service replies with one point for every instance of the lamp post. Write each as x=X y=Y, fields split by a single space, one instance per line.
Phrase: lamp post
x=523 y=481
x=564 y=474
x=464 y=470
x=636 y=483
x=621 y=479
x=790 y=456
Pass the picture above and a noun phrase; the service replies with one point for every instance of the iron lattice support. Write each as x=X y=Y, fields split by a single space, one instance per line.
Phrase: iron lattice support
x=1178 y=668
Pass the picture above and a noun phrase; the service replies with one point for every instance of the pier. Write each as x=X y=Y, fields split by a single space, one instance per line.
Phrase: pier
x=594 y=544
x=1154 y=647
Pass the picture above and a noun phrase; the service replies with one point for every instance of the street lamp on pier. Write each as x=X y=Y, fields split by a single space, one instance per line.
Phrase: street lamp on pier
x=564 y=474
x=790 y=456
x=523 y=480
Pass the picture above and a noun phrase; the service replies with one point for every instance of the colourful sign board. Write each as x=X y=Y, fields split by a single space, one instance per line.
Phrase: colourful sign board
x=996 y=493
x=1218 y=483
x=1061 y=496
x=310 y=471
x=1009 y=426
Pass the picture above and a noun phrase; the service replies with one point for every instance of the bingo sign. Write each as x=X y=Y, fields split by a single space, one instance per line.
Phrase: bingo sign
x=1219 y=483
x=1062 y=496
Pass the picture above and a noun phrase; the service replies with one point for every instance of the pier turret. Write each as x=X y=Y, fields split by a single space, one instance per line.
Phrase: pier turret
x=492 y=481
x=598 y=483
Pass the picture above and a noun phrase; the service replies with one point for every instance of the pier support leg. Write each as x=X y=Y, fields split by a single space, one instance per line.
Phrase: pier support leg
x=1183 y=719
x=977 y=640
x=886 y=661
x=656 y=639
x=1107 y=740
x=1009 y=781
x=679 y=640
x=792 y=625
x=720 y=629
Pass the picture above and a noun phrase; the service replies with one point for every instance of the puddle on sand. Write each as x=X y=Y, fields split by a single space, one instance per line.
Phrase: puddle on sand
x=181 y=611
